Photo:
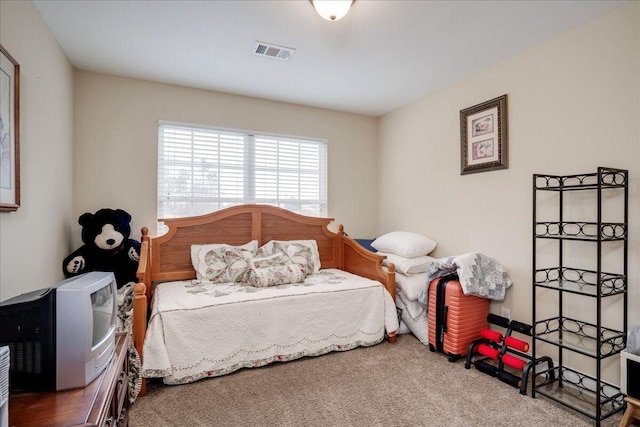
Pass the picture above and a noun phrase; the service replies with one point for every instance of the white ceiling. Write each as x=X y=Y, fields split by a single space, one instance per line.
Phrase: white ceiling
x=382 y=55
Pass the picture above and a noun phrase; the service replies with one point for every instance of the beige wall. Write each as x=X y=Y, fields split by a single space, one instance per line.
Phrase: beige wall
x=35 y=239
x=573 y=105
x=116 y=137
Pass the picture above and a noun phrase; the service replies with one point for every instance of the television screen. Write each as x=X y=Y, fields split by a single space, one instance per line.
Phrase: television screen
x=102 y=307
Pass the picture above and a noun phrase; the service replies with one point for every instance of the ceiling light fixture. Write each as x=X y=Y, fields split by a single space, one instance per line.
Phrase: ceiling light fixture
x=332 y=10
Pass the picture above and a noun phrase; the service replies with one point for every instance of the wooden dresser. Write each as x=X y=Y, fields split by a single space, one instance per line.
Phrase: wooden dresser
x=102 y=403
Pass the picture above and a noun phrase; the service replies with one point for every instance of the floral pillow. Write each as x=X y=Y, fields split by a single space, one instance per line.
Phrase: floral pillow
x=276 y=275
x=301 y=252
x=268 y=261
x=222 y=263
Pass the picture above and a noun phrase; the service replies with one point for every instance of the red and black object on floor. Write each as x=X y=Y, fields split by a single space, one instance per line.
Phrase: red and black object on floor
x=498 y=350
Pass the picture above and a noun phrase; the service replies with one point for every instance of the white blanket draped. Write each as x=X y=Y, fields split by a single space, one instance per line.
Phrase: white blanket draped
x=200 y=330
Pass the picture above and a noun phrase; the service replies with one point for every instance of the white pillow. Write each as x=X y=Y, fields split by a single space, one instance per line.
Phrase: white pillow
x=408 y=266
x=404 y=243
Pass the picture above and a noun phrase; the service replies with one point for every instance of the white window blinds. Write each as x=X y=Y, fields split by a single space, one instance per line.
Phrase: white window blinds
x=201 y=170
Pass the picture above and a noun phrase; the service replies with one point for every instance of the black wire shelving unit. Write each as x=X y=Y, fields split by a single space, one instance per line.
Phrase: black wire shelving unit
x=588 y=394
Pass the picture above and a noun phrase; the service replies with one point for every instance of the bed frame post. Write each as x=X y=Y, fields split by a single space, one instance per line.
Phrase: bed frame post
x=391 y=280
x=339 y=249
x=141 y=295
x=144 y=266
x=140 y=324
x=391 y=287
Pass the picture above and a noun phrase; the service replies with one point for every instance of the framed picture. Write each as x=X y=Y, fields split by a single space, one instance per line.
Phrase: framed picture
x=9 y=132
x=483 y=137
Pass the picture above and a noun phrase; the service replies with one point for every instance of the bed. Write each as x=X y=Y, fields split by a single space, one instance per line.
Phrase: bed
x=195 y=328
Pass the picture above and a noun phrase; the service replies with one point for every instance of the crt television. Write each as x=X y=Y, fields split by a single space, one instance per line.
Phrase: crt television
x=61 y=337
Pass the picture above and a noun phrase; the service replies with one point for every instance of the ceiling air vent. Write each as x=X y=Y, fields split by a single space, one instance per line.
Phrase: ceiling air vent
x=273 y=51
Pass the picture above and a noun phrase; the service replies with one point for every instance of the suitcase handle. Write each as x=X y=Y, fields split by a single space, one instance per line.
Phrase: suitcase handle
x=445 y=310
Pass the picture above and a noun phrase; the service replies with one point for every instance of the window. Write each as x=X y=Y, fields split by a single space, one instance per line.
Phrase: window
x=201 y=170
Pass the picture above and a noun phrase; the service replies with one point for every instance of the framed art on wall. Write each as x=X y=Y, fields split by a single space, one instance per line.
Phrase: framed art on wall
x=483 y=137
x=9 y=132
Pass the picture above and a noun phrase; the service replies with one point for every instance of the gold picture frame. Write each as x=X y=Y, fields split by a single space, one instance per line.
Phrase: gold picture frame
x=9 y=132
x=483 y=137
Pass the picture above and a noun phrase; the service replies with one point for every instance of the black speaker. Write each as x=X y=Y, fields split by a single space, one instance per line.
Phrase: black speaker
x=25 y=328
x=633 y=378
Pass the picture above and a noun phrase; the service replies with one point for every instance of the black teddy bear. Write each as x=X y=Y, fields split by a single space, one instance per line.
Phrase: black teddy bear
x=107 y=246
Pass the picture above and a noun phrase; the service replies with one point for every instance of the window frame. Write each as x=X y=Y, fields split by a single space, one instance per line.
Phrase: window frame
x=249 y=171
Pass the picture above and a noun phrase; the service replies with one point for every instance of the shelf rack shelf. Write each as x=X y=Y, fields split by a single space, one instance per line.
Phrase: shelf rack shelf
x=577 y=390
x=581 y=337
x=590 y=395
x=580 y=281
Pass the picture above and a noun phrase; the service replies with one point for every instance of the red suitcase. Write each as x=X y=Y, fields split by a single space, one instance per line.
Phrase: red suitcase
x=455 y=319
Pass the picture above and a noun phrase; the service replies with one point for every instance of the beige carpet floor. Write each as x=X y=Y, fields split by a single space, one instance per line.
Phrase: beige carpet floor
x=385 y=385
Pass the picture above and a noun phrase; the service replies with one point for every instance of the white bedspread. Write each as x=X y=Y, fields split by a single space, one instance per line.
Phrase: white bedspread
x=201 y=330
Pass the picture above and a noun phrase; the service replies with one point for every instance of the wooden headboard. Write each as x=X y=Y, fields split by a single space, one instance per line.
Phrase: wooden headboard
x=168 y=257
x=171 y=252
